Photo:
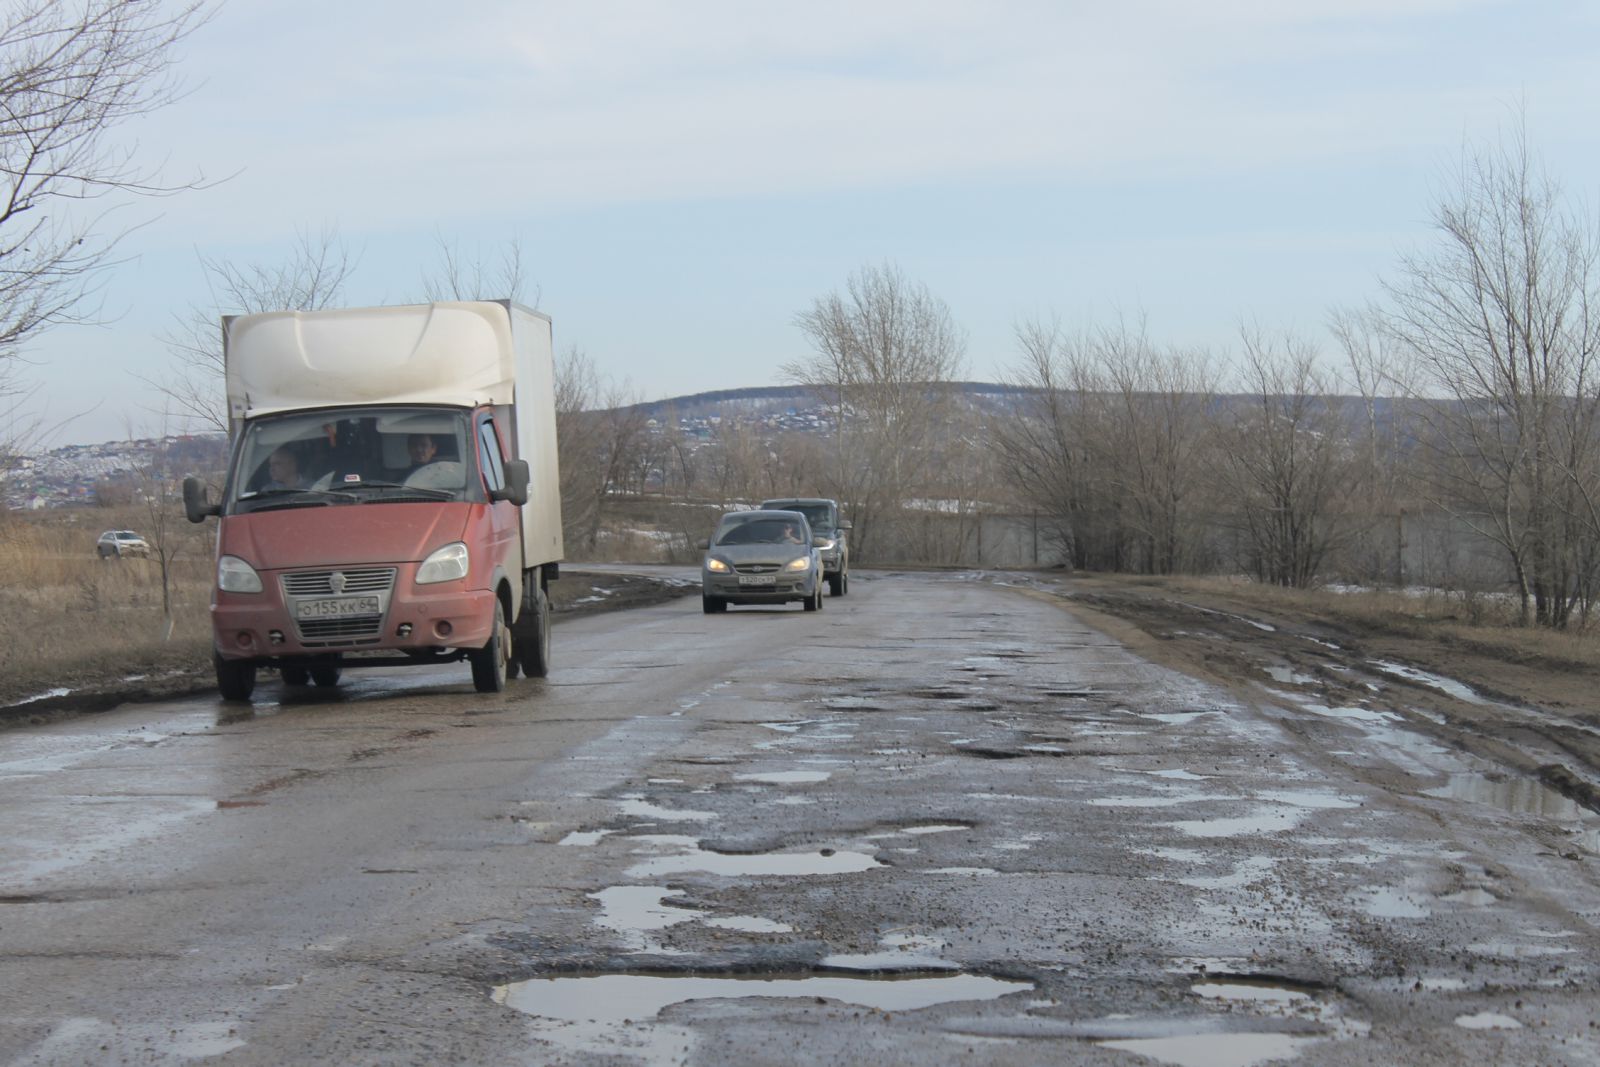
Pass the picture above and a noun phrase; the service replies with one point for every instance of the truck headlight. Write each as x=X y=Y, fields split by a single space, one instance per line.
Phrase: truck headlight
x=234 y=575
x=716 y=566
x=444 y=565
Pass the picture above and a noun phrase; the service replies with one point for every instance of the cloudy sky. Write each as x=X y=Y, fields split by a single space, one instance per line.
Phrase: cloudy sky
x=684 y=178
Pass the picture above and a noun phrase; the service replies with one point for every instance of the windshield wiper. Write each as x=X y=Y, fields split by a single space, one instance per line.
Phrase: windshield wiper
x=442 y=494
x=275 y=497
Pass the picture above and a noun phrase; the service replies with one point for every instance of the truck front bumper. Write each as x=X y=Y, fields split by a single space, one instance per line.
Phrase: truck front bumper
x=414 y=618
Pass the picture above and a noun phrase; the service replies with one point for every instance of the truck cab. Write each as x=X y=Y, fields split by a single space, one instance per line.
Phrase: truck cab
x=410 y=515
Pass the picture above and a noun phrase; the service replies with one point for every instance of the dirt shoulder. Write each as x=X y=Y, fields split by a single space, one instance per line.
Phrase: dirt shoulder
x=1522 y=700
x=184 y=668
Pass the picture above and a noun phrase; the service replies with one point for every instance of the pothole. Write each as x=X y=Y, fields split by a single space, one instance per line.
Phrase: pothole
x=692 y=858
x=618 y=998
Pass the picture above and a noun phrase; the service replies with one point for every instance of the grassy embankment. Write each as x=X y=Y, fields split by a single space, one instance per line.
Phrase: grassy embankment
x=1480 y=624
x=69 y=618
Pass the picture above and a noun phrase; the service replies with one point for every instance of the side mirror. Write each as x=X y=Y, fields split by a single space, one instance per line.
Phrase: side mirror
x=844 y=524
x=703 y=544
x=195 y=504
x=516 y=487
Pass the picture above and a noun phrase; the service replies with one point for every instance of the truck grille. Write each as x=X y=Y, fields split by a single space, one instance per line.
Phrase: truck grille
x=340 y=631
x=344 y=629
x=356 y=580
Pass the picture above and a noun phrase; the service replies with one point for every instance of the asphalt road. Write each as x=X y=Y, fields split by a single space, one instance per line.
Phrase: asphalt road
x=942 y=820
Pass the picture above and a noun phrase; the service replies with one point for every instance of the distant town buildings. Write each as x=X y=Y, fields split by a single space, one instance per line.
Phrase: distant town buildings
x=78 y=475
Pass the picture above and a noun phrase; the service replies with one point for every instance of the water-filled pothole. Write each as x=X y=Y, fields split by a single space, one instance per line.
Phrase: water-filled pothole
x=754 y=865
x=616 y=998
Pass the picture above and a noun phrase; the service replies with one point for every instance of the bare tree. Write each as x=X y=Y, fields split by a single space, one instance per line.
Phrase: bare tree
x=1285 y=464
x=1041 y=443
x=469 y=276
x=310 y=278
x=886 y=352
x=600 y=428
x=1501 y=321
x=71 y=74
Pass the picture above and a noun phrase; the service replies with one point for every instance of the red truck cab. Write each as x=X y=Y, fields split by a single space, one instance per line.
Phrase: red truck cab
x=381 y=533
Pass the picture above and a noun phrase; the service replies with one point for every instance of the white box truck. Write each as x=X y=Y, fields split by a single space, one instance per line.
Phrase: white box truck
x=392 y=494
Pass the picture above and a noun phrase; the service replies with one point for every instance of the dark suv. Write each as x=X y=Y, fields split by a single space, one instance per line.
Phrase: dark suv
x=823 y=515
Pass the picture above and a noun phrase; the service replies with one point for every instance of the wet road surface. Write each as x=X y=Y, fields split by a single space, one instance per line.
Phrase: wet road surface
x=941 y=821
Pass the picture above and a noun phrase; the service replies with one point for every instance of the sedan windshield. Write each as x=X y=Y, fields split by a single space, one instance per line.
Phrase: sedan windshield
x=763 y=532
x=351 y=456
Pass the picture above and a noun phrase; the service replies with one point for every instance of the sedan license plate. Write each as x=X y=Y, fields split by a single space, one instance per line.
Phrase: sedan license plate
x=758 y=579
x=337 y=607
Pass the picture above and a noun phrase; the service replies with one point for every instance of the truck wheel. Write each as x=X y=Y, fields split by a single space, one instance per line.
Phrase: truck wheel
x=294 y=675
x=532 y=643
x=836 y=584
x=236 y=678
x=325 y=677
x=489 y=663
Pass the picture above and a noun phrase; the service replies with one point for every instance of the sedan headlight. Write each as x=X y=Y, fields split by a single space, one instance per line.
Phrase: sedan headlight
x=717 y=566
x=234 y=575
x=445 y=565
x=800 y=563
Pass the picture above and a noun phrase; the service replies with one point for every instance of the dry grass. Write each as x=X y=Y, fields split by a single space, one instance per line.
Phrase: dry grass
x=1486 y=625
x=67 y=616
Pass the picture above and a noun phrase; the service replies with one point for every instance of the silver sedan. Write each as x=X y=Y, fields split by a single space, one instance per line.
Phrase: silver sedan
x=762 y=557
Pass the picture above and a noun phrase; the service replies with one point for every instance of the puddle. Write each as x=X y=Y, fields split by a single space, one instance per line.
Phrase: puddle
x=934 y=828
x=1288 y=676
x=1520 y=796
x=1213 y=1050
x=786 y=777
x=584 y=838
x=750 y=924
x=1382 y=902
x=1149 y=802
x=1273 y=821
x=1444 y=685
x=1487 y=1020
x=756 y=865
x=1317 y=801
x=639 y=808
x=618 y=998
x=887 y=961
x=1180 y=776
x=1173 y=718
x=633 y=909
x=981 y=872
x=1354 y=714
x=1241 y=989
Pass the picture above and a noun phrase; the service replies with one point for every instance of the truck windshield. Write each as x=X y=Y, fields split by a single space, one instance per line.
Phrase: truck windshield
x=351 y=456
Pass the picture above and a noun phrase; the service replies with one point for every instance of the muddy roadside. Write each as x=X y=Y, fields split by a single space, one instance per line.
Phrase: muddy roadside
x=185 y=670
x=1532 y=711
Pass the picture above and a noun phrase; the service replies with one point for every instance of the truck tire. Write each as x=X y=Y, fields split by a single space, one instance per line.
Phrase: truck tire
x=532 y=637
x=490 y=668
x=294 y=675
x=236 y=678
x=326 y=677
x=836 y=584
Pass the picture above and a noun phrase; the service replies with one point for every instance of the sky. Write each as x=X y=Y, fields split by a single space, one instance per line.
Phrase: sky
x=684 y=179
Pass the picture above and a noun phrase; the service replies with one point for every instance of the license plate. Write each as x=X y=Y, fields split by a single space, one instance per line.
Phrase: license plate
x=758 y=579
x=337 y=607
